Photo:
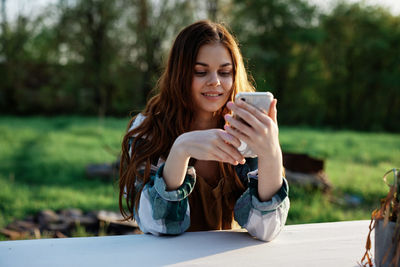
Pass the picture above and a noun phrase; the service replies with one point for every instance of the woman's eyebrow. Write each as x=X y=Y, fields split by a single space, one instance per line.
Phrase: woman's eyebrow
x=226 y=64
x=206 y=65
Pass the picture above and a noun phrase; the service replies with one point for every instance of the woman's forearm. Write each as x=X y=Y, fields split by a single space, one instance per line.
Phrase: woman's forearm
x=176 y=166
x=269 y=177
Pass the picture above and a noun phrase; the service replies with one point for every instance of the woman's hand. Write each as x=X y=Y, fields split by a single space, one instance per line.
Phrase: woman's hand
x=261 y=135
x=213 y=144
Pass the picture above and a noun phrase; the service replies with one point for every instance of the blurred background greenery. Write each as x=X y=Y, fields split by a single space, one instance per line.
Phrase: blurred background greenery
x=95 y=57
x=72 y=71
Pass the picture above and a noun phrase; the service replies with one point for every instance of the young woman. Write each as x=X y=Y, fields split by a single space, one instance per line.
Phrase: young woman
x=180 y=167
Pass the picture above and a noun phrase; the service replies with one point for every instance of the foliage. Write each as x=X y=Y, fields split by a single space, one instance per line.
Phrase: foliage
x=279 y=39
x=361 y=67
x=345 y=67
x=98 y=57
x=95 y=57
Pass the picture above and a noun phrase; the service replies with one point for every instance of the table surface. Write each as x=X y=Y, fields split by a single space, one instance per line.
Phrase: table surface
x=319 y=244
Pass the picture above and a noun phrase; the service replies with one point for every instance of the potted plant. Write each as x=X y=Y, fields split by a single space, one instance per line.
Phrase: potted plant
x=386 y=222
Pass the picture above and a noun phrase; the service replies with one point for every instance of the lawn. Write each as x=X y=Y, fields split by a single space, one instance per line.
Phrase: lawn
x=43 y=167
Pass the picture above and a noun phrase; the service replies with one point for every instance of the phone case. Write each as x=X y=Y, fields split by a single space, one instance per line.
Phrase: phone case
x=261 y=100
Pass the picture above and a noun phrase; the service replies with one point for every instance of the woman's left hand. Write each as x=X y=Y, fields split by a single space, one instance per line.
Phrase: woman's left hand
x=261 y=133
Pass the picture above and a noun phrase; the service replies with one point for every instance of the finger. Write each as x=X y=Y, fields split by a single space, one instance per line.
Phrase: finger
x=238 y=134
x=230 y=151
x=259 y=113
x=230 y=139
x=250 y=114
x=216 y=156
x=273 y=111
x=224 y=157
x=238 y=124
x=249 y=107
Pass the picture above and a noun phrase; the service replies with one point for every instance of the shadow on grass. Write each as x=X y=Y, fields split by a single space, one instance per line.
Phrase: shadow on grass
x=31 y=165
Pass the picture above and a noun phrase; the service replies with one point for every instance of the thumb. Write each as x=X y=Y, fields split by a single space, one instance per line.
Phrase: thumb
x=273 y=111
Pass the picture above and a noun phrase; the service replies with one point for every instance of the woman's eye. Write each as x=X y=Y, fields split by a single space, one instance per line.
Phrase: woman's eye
x=225 y=73
x=200 y=73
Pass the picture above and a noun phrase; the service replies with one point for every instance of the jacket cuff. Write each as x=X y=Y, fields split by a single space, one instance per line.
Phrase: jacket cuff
x=179 y=194
x=274 y=202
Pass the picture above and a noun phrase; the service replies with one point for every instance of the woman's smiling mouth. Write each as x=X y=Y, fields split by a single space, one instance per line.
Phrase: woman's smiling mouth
x=212 y=94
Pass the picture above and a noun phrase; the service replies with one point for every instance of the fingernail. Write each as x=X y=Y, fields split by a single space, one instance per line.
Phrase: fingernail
x=226 y=117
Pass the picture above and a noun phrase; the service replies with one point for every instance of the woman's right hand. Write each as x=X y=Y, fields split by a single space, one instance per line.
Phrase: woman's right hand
x=212 y=144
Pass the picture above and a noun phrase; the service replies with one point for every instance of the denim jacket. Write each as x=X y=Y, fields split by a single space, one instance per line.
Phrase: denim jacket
x=168 y=212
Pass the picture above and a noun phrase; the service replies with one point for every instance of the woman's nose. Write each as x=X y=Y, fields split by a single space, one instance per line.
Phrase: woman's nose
x=214 y=80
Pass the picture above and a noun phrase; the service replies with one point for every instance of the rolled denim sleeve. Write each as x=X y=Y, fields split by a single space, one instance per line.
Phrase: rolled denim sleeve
x=165 y=212
x=263 y=220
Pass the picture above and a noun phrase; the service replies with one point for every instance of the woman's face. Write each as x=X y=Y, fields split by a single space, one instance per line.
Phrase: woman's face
x=213 y=79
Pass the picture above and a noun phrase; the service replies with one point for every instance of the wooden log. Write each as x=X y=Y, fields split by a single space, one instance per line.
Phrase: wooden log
x=116 y=224
x=315 y=181
x=302 y=163
x=14 y=235
x=104 y=171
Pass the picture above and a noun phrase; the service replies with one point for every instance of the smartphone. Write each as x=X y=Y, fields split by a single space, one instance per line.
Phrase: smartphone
x=260 y=100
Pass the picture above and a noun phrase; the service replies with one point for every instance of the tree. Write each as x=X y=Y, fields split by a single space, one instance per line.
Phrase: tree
x=278 y=37
x=153 y=29
x=85 y=30
x=361 y=61
x=14 y=54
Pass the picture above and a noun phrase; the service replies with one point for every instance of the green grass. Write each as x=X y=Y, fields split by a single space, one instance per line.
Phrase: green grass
x=354 y=162
x=43 y=162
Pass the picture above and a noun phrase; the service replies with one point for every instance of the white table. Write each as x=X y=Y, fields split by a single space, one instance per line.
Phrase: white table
x=320 y=244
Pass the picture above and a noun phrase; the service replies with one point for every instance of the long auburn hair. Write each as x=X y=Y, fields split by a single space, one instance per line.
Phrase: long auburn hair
x=170 y=112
